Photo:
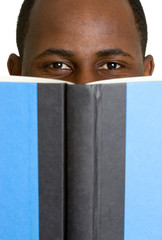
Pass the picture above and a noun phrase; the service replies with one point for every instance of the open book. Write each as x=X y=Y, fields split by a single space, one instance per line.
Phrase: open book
x=80 y=162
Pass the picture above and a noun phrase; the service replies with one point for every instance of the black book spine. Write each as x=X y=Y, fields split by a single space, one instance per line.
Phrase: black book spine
x=82 y=161
x=80 y=156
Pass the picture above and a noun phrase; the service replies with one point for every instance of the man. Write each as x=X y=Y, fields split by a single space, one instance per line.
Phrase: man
x=81 y=41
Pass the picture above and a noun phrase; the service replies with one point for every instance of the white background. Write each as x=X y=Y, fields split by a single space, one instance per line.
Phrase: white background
x=8 y=17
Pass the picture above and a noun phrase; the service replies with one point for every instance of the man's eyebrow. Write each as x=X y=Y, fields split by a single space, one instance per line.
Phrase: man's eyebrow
x=55 y=51
x=114 y=51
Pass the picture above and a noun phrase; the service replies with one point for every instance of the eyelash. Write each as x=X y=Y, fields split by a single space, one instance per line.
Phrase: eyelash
x=110 y=66
x=58 y=65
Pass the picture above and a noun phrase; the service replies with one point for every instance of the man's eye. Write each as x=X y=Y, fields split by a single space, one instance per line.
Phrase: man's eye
x=58 y=65
x=110 y=66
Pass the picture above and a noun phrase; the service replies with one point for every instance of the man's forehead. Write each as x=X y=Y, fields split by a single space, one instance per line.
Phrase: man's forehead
x=61 y=15
x=73 y=22
x=88 y=11
x=59 y=6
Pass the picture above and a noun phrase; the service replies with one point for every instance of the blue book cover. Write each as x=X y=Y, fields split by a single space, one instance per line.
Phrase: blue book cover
x=80 y=161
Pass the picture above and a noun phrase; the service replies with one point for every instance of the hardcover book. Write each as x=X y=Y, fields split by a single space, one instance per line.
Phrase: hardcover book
x=80 y=161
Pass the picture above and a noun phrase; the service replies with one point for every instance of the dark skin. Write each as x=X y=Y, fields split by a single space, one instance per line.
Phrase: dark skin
x=82 y=41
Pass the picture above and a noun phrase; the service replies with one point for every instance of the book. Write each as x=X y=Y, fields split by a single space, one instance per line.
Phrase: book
x=80 y=161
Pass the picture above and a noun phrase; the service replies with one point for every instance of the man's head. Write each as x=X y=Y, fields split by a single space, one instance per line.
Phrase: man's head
x=69 y=39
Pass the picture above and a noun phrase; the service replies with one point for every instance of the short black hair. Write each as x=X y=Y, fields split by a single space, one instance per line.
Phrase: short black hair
x=141 y=22
x=23 y=23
